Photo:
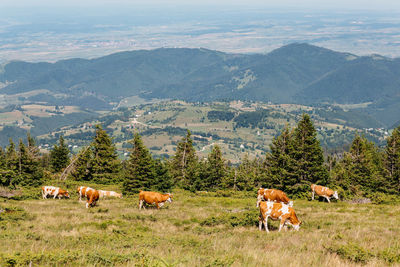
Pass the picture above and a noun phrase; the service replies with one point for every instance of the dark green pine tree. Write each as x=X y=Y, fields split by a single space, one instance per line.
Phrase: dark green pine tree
x=32 y=148
x=246 y=174
x=215 y=171
x=280 y=162
x=365 y=166
x=308 y=155
x=140 y=171
x=163 y=179
x=184 y=164
x=6 y=175
x=82 y=170
x=105 y=163
x=29 y=170
x=12 y=163
x=59 y=156
x=392 y=159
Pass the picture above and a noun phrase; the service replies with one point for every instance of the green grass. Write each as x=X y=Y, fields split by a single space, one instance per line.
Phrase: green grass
x=204 y=229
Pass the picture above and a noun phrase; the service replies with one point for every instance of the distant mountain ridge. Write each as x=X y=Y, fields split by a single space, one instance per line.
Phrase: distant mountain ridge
x=295 y=73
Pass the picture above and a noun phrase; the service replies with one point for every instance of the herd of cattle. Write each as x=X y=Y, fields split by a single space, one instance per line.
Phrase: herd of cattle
x=278 y=206
x=273 y=203
x=93 y=195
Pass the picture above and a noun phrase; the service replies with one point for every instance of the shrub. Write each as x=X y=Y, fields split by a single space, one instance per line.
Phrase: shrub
x=390 y=255
x=382 y=198
x=14 y=214
x=352 y=252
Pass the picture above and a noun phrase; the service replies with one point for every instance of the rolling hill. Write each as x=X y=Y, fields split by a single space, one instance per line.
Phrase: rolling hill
x=296 y=73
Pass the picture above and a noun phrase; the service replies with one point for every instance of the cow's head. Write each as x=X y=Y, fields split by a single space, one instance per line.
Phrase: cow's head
x=66 y=194
x=335 y=195
x=170 y=197
x=297 y=226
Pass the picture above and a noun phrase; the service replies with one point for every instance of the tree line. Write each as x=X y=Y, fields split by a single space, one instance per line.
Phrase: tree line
x=295 y=161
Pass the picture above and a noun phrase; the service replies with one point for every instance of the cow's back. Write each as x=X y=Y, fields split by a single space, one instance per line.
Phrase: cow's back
x=322 y=191
x=150 y=197
x=276 y=195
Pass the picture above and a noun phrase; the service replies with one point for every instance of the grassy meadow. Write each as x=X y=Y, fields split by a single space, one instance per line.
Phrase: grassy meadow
x=203 y=229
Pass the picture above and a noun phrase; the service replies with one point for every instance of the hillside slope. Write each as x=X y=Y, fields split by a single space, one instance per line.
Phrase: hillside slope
x=296 y=73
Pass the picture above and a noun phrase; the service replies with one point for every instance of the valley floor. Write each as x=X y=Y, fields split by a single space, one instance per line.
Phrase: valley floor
x=204 y=229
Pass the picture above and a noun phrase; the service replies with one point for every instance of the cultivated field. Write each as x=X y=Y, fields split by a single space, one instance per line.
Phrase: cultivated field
x=204 y=229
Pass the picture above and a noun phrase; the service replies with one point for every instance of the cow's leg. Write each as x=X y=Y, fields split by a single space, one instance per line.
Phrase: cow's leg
x=283 y=220
x=140 y=204
x=44 y=195
x=266 y=224
x=260 y=223
x=313 y=195
x=158 y=207
x=327 y=198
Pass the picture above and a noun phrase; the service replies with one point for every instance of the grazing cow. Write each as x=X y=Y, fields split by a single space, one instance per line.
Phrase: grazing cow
x=323 y=192
x=277 y=211
x=92 y=196
x=260 y=196
x=153 y=198
x=54 y=192
x=107 y=194
x=82 y=191
x=273 y=195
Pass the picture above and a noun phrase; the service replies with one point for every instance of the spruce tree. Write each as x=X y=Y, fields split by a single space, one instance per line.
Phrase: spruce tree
x=11 y=157
x=29 y=170
x=392 y=159
x=183 y=165
x=33 y=150
x=83 y=165
x=280 y=162
x=247 y=174
x=360 y=170
x=308 y=156
x=59 y=156
x=105 y=163
x=163 y=179
x=140 y=171
x=365 y=165
x=215 y=170
x=6 y=175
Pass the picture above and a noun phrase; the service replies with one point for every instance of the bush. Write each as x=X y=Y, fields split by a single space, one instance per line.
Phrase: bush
x=14 y=214
x=382 y=198
x=100 y=258
x=352 y=252
x=391 y=254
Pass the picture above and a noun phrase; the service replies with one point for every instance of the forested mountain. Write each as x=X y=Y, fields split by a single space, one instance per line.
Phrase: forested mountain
x=296 y=73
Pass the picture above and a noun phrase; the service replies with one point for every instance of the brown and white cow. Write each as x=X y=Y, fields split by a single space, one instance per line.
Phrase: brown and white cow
x=260 y=196
x=277 y=211
x=273 y=195
x=323 y=192
x=82 y=191
x=153 y=198
x=108 y=194
x=54 y=192
x=92 y=196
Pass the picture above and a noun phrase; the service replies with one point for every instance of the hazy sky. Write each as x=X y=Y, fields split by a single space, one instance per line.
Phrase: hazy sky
x=393 y=5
